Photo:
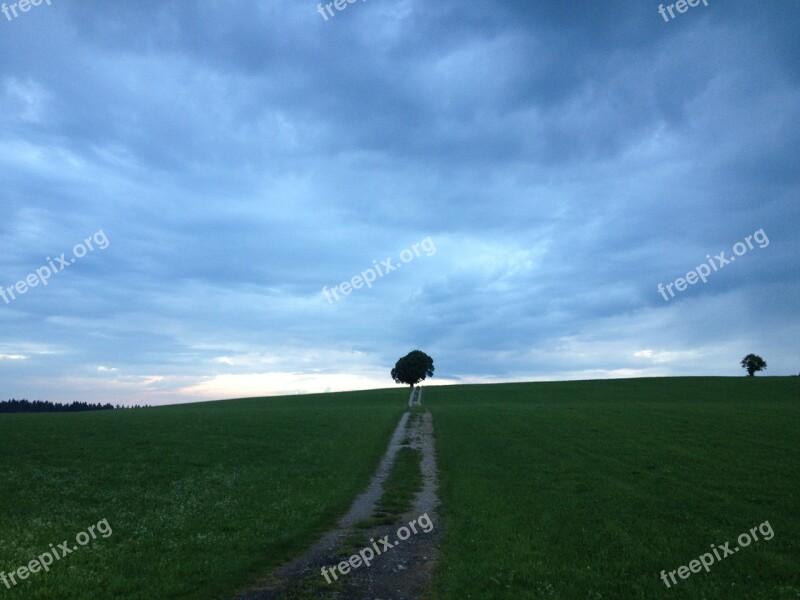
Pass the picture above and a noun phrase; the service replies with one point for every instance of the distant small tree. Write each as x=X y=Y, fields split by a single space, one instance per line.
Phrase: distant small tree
x=413 y=368
x=753 y=363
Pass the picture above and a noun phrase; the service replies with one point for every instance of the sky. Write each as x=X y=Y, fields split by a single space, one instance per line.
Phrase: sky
x=185 y=186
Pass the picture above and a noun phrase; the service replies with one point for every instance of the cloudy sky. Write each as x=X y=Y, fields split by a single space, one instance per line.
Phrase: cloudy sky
x=553 y=162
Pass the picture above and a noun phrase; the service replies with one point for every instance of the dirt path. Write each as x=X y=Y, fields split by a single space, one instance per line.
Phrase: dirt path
x=401 y=572
x=415 y=399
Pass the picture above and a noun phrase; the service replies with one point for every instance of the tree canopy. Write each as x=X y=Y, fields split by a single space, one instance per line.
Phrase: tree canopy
x=413 y=368
x=753 y=363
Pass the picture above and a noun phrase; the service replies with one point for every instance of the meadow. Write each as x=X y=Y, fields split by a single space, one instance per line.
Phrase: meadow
x=202 y=499
x=590 y=489
x=549 y=490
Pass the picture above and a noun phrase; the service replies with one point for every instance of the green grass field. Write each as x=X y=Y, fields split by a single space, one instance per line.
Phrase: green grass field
x=590 y=489
x=201 y=498
x=549 y=490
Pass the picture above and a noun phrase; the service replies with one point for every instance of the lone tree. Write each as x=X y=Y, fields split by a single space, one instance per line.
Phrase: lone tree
x=753 y=363
x=413 y=368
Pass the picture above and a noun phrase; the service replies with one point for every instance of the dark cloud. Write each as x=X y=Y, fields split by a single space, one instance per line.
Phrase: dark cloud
x=565 y=159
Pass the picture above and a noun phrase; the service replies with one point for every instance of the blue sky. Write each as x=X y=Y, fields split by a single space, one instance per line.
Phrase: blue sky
x=563 y=159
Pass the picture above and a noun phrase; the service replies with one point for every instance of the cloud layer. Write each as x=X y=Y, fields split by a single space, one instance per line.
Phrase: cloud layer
x=240 y=156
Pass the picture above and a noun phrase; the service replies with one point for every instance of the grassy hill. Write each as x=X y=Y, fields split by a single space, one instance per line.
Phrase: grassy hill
x=549 y=490
x=201 y=498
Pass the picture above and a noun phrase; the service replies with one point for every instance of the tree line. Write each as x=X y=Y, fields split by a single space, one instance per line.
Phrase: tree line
x=39 y=406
